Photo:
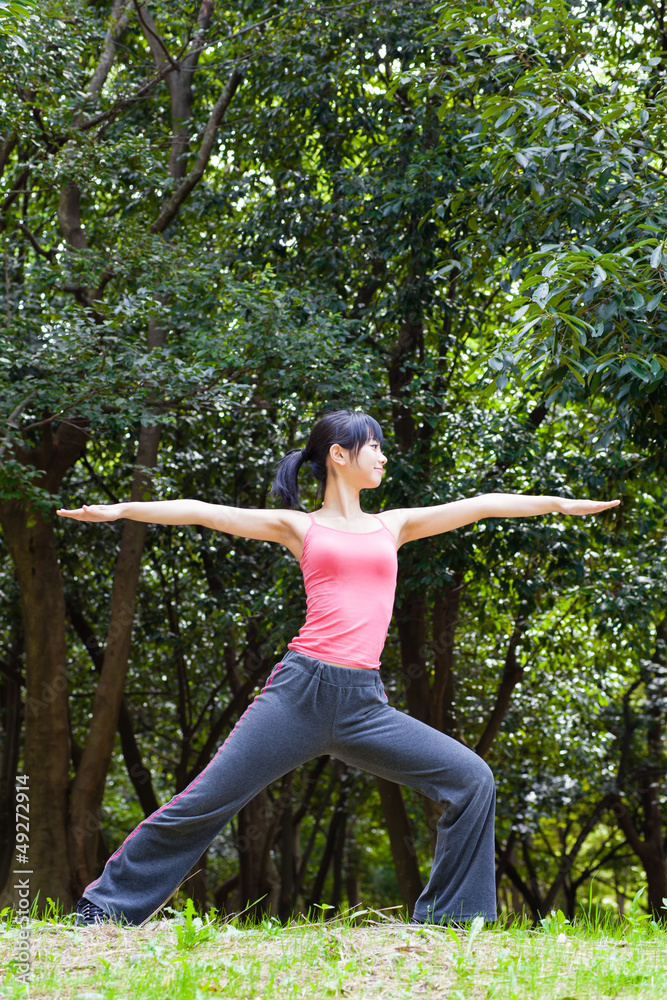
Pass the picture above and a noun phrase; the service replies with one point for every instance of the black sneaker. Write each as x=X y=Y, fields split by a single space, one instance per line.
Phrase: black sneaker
x=89 y=913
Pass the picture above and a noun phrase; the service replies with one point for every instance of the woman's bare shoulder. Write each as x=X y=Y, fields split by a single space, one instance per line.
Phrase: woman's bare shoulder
x=393 y=520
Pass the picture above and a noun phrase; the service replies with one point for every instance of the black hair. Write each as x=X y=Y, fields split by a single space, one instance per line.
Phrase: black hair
x=348 y=428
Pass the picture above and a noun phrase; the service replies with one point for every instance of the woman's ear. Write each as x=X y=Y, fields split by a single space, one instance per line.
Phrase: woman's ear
x=337 y=455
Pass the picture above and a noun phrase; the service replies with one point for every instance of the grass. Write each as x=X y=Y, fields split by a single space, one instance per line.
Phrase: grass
x=188 y=958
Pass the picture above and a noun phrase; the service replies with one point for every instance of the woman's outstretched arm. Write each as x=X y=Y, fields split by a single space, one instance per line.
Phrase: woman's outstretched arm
x=420 y=522
x=283 y=526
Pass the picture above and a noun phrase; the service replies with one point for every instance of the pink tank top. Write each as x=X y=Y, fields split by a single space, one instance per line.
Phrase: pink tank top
x=350 y=582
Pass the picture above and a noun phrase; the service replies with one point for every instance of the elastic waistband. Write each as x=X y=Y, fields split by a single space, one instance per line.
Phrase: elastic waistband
x=340 y=676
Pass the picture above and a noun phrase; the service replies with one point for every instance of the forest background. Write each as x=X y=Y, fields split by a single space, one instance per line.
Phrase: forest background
x=218 y=221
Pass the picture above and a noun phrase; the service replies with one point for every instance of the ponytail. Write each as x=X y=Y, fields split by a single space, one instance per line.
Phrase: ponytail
x=285 y=484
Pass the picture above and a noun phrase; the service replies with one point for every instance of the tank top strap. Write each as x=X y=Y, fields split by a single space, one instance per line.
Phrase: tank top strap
x=383 y=524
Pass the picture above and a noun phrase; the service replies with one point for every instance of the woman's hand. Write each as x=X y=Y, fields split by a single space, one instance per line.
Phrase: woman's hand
x=94 y=512
x=581 y=507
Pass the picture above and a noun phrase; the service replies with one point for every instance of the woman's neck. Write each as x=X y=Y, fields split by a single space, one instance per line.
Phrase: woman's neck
x=341 y=500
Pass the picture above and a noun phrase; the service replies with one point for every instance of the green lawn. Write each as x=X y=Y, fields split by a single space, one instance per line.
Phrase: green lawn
x=186 y=958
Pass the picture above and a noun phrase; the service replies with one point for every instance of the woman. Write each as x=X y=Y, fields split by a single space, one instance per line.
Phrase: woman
x=325 y=696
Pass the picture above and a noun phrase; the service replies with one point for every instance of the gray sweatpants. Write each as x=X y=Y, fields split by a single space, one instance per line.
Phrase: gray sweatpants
x=308 y=708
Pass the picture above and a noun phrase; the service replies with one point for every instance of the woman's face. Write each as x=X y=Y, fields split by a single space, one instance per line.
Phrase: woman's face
x=370 y=462
x=362 y=471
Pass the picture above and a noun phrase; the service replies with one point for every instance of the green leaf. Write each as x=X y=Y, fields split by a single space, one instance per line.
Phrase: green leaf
x=541 y=293
x=506 y=116
x=639 y=372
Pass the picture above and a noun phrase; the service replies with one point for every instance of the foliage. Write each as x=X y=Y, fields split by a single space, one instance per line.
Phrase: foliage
x=12 y=14
x=566 y=121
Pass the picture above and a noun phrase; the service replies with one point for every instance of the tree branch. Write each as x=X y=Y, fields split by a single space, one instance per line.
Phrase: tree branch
x=656 y=170
x=120 y=21
x=567 y=862
x=169 y=67
x=13 y=415
x=512 y=674
x=626 y=825
x=6 y=147
x=156 y=45
x=532 y=898
x=237 y=705
x=69 y=216
x=179 y=196
x=125 y=102
x=190 y=61
x=49 y=254
x=107 y=274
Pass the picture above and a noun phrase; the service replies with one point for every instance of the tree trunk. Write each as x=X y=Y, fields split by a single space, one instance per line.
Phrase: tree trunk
x=287 y=851
x=338 y=856
x=512 y=675
x=260 y=881
x=195 y=884
x=445 y=620
x=31 y=542
x=430 y=703
x=138 y=772
x=402 y=842
x=656 y=879
x=333 y=850
x=88 y=786
x=651 y=849
x=353 y=887
x=410 y=618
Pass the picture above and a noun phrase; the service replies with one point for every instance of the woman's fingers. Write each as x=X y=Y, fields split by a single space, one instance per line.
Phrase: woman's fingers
x=79 y=514
x=92 y=512
x=582 y=507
